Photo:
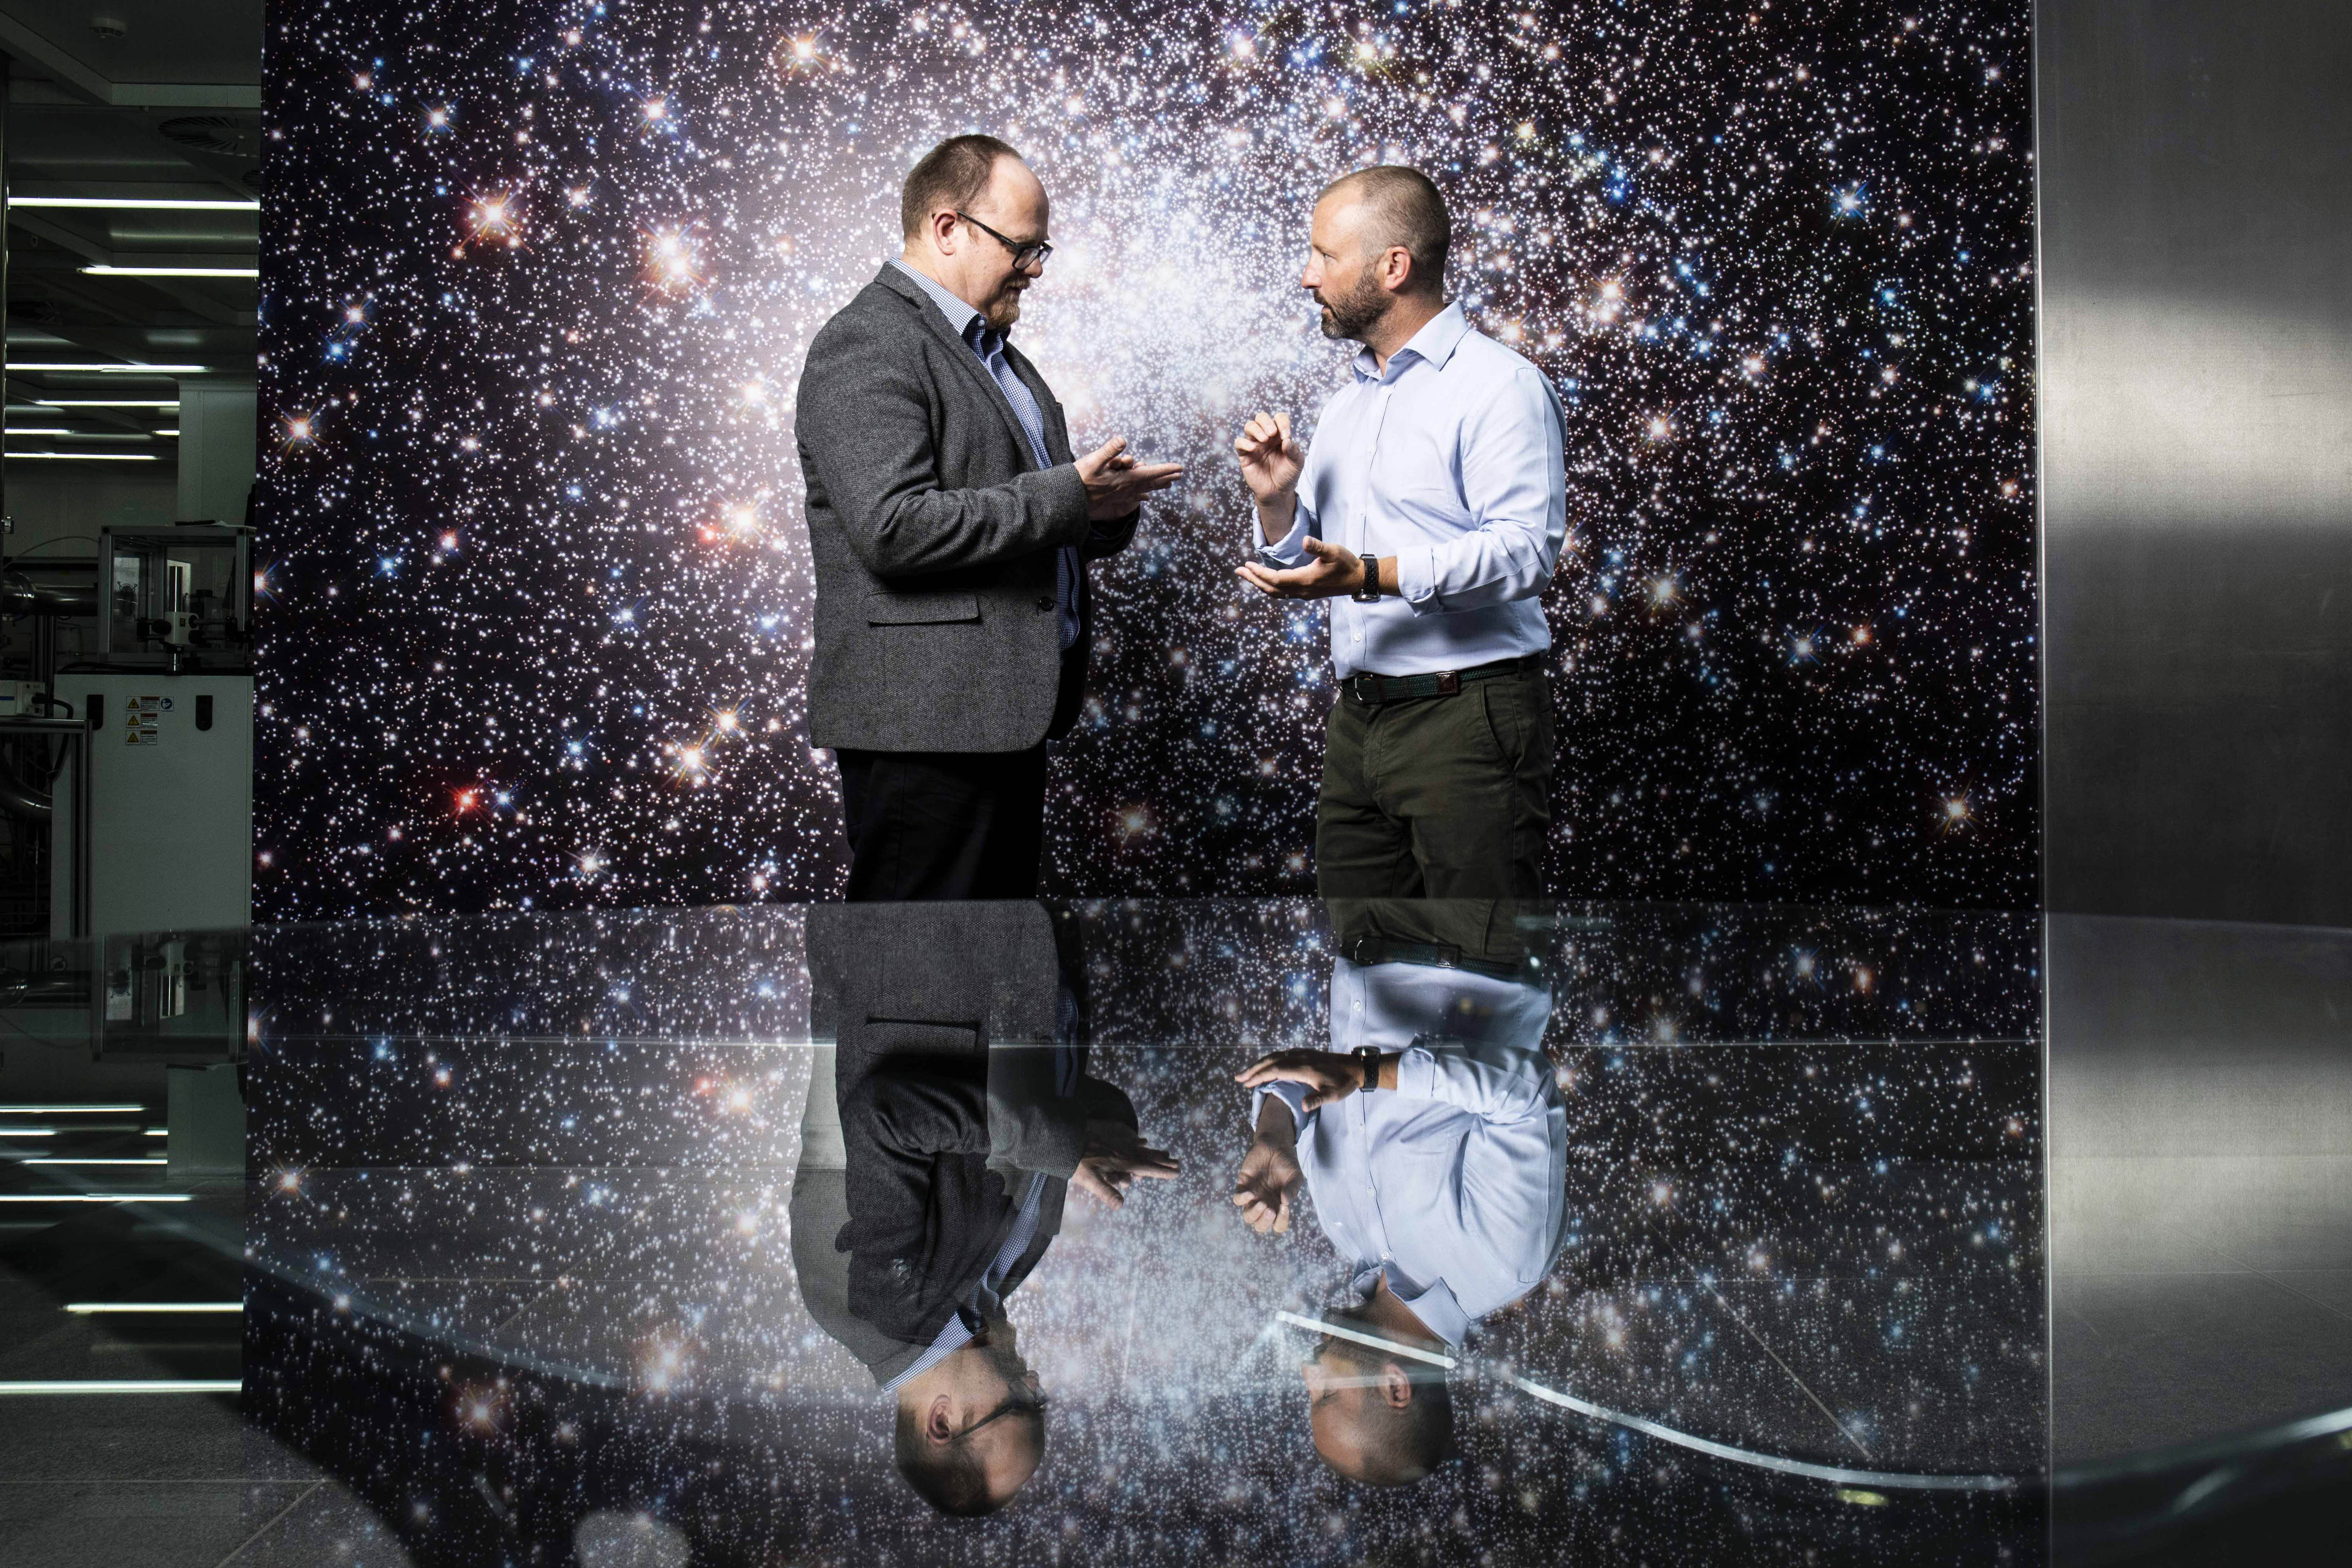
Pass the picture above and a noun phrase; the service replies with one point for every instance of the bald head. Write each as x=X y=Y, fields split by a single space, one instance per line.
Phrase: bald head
x=1378 y=1419
x=1390 y=206
x=971 y=1427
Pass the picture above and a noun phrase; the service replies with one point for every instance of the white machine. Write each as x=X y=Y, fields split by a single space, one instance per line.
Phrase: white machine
x=170 y=799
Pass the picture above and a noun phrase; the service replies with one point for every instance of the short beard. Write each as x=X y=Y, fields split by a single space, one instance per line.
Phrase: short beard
x=1357 y=311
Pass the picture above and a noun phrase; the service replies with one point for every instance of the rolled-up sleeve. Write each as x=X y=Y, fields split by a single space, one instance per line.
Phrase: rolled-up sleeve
x=1492 y=1081
x=1290 y=550
x=1514 y=486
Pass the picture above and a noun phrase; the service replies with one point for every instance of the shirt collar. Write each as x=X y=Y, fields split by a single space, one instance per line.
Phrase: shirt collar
x=959 y=314
x=1439 y=1313
x=1434 y=1304
x=1435 y=342
x=953 y=1335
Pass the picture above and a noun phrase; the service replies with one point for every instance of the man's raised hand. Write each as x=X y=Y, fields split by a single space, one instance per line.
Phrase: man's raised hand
x=1116 y=1156
x=1270 y=459
x=1262 y=1188
x=1115 y=483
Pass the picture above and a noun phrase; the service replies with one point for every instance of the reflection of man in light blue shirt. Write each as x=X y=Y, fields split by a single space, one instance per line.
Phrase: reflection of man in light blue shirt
x=1441 y=1187
x=1435 y=499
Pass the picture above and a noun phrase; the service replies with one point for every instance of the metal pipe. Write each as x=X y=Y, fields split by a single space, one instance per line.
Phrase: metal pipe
x=17 y=800
x=20 y=595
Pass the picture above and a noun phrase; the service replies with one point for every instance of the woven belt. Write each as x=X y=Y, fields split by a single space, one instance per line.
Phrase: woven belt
x=1368 y=950
x=1375 y=690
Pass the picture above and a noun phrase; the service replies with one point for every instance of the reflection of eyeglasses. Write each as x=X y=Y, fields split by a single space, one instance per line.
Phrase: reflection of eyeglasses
x=1035 y=251
x=1019 y=1398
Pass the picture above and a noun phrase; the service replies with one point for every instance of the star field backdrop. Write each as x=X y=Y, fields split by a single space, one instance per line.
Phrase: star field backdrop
x=538 y=279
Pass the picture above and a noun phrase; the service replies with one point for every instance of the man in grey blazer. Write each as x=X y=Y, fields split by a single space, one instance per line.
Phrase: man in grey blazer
x=950 y=526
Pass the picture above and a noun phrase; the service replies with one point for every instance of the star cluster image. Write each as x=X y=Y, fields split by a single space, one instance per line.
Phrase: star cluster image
x=533 y=595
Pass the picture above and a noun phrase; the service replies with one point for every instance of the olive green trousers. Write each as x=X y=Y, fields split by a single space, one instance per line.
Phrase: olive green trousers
x=1438 y=797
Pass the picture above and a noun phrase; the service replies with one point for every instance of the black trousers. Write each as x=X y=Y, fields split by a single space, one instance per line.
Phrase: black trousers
x=943 y=824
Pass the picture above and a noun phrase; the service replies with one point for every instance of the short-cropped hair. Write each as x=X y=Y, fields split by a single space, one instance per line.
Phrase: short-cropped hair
x=951 y=174
x=951 y=1480
x=1397 y=1447
x=1405 y=209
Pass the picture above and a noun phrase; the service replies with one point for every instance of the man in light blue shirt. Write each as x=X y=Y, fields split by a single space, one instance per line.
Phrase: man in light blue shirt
x=1435 y=499
x=1434 y=1139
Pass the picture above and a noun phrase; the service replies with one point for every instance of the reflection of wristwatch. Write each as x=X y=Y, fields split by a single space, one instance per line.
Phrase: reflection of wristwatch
x=1369 y=590
x=1367 y=1057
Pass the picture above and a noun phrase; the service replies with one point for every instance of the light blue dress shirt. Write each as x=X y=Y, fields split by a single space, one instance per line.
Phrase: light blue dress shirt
x=989 y=346
x=1454 y=1185
x=1452 y=460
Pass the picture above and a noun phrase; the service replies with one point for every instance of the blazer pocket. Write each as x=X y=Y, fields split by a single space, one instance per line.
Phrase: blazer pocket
x=920 y=609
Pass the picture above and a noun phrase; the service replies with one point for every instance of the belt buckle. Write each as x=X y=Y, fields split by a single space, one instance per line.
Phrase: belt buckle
x=1449 y=681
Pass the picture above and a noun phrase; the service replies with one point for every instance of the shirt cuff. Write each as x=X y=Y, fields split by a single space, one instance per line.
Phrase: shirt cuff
x=1291 y=548
x=1417 y=581
x=1292 y=1095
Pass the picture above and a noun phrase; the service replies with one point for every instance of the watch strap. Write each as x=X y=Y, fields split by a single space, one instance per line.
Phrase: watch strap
x=1367 y=1057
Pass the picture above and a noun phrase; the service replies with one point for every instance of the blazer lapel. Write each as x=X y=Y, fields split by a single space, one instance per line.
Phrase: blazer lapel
x=961 y=353
x=1057 y=430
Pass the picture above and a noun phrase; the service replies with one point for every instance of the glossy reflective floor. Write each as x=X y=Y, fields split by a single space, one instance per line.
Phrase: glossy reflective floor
x=1688 y=1234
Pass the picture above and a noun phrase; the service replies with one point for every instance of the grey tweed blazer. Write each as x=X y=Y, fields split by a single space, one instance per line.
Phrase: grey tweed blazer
x=934 y=534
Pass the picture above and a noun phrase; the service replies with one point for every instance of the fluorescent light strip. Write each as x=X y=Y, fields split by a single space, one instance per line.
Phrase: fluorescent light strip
x=41 y=430
x=97 y=270
x=117 y=369
x=84 y=1308
x=159 y=1132
x=61 y=1160
x=68 y=1110
x=27 y=1131
x=88 y=457
x=173 y=434
x=132 y=1385
x=142 y=203
x=106 y=403
x=96 y=1197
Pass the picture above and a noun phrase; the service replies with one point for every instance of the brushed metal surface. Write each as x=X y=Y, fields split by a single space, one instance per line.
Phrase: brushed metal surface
x=2200 y=1135
x=2196 y=203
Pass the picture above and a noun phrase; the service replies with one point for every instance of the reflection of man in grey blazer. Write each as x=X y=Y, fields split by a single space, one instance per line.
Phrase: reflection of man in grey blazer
x=950 y=527
x=942 y=1131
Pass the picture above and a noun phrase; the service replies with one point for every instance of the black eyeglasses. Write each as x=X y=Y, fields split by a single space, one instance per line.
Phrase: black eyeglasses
x=1035 y=251
x=1018 y=1397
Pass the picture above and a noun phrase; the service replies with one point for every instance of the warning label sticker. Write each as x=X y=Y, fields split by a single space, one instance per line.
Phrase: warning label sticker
x=140 y=720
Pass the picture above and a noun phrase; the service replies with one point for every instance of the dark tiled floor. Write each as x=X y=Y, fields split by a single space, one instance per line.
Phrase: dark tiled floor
x=2138 y=1350
x=100 y=1523
x=2330 y=1287
x=322 y=1524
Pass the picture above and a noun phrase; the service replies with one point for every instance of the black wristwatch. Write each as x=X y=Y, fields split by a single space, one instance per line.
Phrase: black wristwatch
x=1369 y=590
x=1369 y=1058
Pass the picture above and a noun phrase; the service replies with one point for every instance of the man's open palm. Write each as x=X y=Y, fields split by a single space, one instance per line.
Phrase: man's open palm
x=1116 y=1157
